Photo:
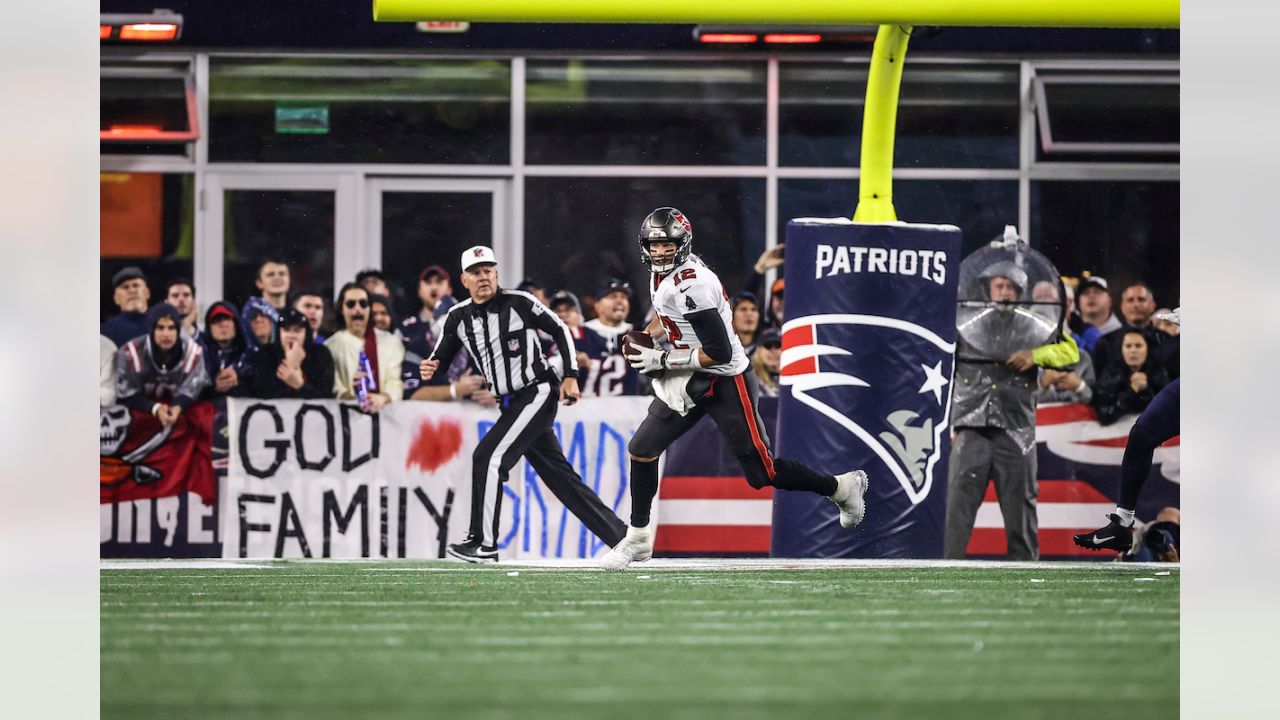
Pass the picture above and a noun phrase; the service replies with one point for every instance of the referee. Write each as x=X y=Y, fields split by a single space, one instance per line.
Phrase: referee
x=499 y=328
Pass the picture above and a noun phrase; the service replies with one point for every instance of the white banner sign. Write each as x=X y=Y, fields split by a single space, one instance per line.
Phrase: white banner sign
x=321 y=479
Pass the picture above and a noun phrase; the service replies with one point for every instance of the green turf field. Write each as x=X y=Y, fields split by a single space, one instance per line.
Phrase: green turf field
x=441 y=640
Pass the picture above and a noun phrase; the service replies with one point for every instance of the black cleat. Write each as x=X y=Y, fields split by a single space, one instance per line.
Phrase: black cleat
x=1112 y=536
x=473 y=552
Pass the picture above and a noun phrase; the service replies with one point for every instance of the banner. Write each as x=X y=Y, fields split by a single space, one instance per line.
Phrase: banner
x=867 y=355
x=1078 y=471
x=157 y=487
x=322 y=479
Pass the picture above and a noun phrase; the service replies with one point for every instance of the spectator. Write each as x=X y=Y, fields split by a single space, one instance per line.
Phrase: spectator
x=106 y=371
x=1094 y=300
x=602 y=370
x=228 y=357
x=613 y=304
x=160 y=372
x=1137 y=305
x=436 y=293
x=767 y=360
x=131 y=296
x=383 y=350
x=746 y=320
x=1170 y=346
x=374 y=281
x=182 y=295
x=1129 y=385
x=534 y=288
x=380 y=312
x=311 y=304
x=294 y=366
x=273 y=283
x=769 y=260
x=260 y=318
x=1073 y=383
x=995 y=411
x=1160 y=321
x=775 y=304
x=419 y=334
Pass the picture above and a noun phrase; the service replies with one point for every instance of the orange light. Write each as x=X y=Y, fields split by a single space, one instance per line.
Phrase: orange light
x=728 y=38
x=134 y=130
x=104 y=32
x=792 y=38
x=149 y=31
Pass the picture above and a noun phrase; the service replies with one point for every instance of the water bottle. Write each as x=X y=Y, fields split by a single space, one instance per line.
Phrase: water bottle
x=364 y=383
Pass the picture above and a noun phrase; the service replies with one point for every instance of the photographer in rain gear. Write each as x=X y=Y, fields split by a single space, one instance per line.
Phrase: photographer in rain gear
x=1003 y=335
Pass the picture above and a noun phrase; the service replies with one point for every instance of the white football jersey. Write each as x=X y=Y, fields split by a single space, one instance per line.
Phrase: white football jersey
x=690 y=288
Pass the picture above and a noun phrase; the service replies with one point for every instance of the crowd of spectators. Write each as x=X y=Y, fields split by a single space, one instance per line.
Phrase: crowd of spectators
x=296 y=343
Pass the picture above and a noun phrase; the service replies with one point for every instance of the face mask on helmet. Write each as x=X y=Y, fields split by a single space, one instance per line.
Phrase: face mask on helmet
x=666 y=224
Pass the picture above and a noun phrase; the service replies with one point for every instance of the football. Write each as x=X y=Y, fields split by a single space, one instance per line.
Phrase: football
x=641 y=339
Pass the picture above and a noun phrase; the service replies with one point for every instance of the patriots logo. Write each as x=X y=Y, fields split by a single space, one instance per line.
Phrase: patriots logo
x=829 y=361
x=479 y=252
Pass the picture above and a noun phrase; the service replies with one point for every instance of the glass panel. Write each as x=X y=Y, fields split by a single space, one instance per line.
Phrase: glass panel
x=146 y=220
x=980 y=208
x=1114 y=116
x=580 y=231
x=293 y=226
x=360 y=110
x=431 y=228
x=952 y=116
x=624 y=113
x=130 y=106
x=1123 y=231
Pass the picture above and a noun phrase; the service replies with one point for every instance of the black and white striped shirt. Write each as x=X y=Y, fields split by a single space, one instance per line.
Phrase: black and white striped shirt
x=502 y=337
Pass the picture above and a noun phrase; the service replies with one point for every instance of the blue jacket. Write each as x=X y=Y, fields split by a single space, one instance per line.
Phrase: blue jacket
x=124 y=327
x=238 y=355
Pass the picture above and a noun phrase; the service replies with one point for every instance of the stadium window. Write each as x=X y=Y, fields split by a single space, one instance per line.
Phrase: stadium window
x=561 y=252
x=147 y=108
x=145 y=220
x=1124 y=231
x=1111 y=117
x=607 y=112
x=359 y=110
x=949 y=116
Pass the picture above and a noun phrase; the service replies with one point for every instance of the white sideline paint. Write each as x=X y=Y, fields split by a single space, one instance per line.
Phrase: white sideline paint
x=202 y=564
x=700 y=564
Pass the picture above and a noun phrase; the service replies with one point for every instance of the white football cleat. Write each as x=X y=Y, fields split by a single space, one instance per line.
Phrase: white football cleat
x=637 y=546
x=850 y=488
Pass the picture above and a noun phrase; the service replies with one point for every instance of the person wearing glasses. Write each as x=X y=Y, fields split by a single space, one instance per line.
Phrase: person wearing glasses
x=355 y=333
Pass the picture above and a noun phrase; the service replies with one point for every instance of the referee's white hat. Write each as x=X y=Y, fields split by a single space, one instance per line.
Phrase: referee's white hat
x=476 y=255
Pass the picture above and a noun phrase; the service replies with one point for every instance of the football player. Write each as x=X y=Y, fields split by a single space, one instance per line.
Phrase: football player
x=692 y=311
x=1158 y=423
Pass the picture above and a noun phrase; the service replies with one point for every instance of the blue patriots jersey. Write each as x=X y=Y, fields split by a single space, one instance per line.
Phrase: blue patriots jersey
x=610 y=374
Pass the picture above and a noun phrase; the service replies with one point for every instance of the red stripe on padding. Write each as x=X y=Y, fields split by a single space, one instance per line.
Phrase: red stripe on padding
x=692 y=487
x=1054 y=542
x=1059 y=491
x=712 y=538
x=1119 y=442
x=749 y=411
x=806 y=366
x=797 y=336
x=1060 y=414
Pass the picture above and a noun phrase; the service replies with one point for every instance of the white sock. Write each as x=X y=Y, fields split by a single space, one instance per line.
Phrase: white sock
x=1126 y=516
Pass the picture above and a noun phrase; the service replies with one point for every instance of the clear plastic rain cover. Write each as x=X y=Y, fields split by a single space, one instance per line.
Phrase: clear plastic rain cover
x=1010 y=299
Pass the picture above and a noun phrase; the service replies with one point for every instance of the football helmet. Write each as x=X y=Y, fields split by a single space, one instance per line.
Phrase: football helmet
x=666 y=224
